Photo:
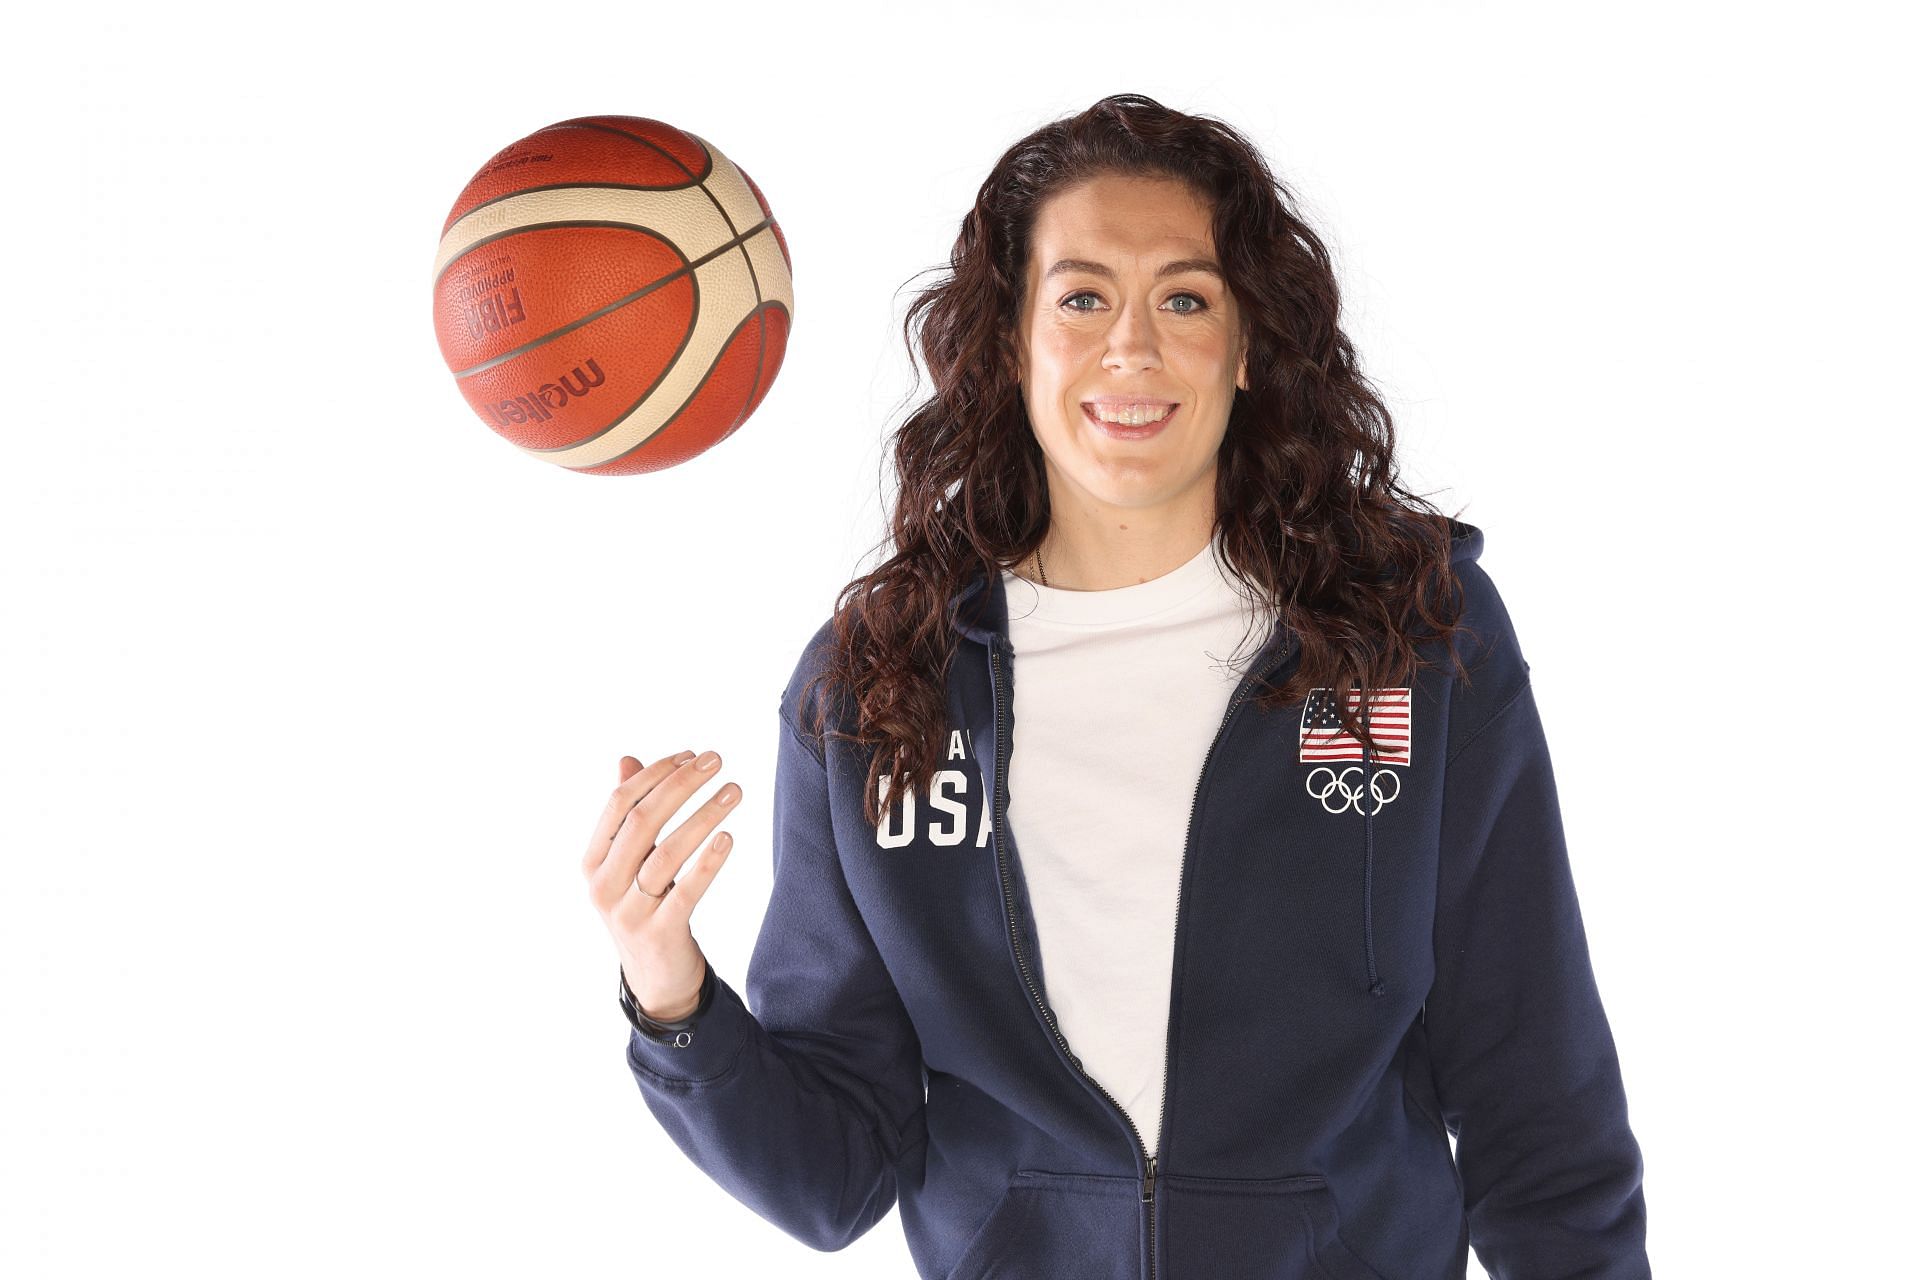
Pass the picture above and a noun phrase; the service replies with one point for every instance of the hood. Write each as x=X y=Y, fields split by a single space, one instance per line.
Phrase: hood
x=1467 y=541
x=978 y=611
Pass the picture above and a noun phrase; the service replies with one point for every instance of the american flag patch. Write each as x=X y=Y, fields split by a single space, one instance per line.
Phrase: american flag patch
x=1389 y=717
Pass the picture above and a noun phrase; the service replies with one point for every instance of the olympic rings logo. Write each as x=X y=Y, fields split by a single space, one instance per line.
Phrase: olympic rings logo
x=1350 y=796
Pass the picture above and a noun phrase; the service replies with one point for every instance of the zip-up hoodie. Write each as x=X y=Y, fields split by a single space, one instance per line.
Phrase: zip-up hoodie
x=1370 y=955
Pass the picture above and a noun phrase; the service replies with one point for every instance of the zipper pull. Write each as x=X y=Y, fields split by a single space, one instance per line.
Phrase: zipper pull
x=1153 y=1165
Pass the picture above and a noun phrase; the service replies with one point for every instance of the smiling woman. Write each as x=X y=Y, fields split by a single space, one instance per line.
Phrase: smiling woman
x=1199 y=976
x=1129 y=336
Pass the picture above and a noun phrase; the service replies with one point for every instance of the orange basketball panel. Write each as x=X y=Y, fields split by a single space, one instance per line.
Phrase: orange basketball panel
x=521 y=288
x=738 y=382
x=566 y=391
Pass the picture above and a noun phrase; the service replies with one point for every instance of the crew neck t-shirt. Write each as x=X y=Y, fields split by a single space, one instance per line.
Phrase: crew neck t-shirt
x=1117 y=696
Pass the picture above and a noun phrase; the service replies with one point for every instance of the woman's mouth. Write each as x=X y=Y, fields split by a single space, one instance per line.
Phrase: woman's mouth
x=1130 y=426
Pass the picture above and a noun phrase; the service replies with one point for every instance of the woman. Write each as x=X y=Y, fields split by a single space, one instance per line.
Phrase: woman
x=1198 y=981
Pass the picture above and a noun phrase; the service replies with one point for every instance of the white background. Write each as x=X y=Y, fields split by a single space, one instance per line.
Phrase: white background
x=314 y=686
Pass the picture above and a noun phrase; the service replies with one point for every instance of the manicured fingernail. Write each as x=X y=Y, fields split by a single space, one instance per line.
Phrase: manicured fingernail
x=707 y=760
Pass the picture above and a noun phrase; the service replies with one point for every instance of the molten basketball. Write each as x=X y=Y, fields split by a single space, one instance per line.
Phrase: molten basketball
x=612 y=295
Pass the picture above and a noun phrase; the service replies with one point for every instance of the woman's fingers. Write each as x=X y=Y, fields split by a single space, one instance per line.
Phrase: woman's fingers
x=691 y=886
x=670 y=853
x=634 y=841
x=636 y=811
x=635 y=783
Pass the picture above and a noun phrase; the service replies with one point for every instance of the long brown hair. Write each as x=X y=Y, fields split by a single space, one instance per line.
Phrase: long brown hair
x=1309 y=509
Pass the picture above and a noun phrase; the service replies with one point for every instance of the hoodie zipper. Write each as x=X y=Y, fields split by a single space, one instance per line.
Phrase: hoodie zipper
x=1152 y=1159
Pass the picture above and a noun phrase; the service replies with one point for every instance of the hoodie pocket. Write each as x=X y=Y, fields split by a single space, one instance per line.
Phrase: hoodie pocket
x=1258 y=1228
x=1057 y=1226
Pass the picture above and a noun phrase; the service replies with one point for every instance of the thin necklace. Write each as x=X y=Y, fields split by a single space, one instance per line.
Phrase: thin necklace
x=1041 y=564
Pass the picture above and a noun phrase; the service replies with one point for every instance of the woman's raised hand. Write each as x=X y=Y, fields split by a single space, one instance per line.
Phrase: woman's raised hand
x=633 y=876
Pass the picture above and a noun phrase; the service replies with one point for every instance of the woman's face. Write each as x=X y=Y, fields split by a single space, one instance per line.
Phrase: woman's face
x=1133 y=332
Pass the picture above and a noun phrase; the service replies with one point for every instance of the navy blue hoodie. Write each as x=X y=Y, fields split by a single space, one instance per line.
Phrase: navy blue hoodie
x=1368 y=957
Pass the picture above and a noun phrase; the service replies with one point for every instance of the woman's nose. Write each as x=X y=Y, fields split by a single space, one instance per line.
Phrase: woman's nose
x=1130 y=340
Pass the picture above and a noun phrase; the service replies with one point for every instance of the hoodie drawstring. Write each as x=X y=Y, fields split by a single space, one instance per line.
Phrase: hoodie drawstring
x=1374 y=985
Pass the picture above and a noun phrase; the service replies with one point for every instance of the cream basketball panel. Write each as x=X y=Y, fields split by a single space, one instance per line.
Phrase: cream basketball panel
x=770 y=268
x=727 y=294
x=684 y=217
x=730 y=189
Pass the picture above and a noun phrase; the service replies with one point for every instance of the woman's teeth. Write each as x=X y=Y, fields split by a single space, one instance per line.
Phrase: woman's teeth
x=1138 y=417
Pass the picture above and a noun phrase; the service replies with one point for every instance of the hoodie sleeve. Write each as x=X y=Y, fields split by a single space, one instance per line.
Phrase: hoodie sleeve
x=800 y=1111
x=1523 y=1059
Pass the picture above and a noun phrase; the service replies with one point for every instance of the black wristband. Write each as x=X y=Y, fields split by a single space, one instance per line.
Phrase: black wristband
x=679 y=1032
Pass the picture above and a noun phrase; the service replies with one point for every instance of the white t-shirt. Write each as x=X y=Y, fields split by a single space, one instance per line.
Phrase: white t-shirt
x=1116 y=697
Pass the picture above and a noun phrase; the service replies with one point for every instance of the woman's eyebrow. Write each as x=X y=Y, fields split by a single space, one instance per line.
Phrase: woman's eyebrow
x=1166 y=269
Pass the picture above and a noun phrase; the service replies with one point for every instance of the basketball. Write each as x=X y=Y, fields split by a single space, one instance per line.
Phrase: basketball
x=612 y=295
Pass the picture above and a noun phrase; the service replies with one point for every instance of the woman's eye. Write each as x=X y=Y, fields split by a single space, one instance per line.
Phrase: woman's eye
x=1200 y=304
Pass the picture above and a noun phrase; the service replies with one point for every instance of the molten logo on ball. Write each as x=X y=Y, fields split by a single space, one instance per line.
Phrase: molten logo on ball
x=551 y=396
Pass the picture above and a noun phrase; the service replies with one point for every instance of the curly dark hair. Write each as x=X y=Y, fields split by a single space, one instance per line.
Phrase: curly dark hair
x=1309 y=509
